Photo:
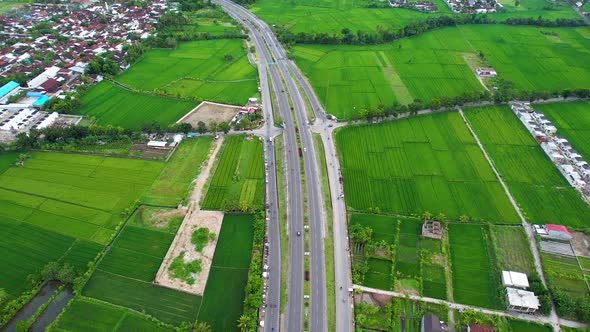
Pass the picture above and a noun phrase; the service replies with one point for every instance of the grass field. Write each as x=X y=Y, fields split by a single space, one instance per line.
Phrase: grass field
x=523 y=326
x=167 y=305
x=7 y=160
x=77 y=195
x=563 y=272
x=103 y=317
x=113 y=105
x=572 y=121
x=158 y=218
x=513 y=250
x=331 y=16
x=238 y=180
x=432 y=65
x=225 y=291
x=428 y=163
x=196 y=69
x=474 y=276
x=172 y=185
x=536 y=184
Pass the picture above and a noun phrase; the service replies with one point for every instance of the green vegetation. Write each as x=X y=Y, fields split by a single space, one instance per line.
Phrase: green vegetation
x=223 y=300
x=398 y=315
x=113 y=105
x=572 y=121
x=6 y=6
x=169 y=306
x=512 y=249
x=238 y=181
x=100 y=316
x=201 y=237
x=542 y=193
x=197 y=69
x=475 y=278
x=162 y=219
x=438 y=65
x=563 y=272
x=182 y=270
x=7 y=160
x=523 y=326
x=172 y=185
x=427 y=163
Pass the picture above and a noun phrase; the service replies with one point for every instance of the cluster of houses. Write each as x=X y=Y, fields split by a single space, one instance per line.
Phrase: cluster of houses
x=60 y=54
x=422 y=6
x=569 y=162
x=486 y=72
x=473 y=6
x=518 y=298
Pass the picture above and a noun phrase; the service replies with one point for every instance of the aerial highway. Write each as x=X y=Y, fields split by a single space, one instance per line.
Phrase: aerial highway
x=273 y=57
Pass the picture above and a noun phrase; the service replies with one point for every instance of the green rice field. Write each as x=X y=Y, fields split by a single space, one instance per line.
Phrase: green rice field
x=537 y=186
x=225 y=291
x=77 y=195
x=523 y=326
x=475 y=280
x=427 y=163
x=196 y=69
x=572 y=121
x=437 y=64
x=238 y=179
x=113 y=105
x=7 y=160
x=331 y=16
x=100 y=317
x=172 y=185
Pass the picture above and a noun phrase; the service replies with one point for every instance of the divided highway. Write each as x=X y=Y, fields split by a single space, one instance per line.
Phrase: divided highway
x=273 y=58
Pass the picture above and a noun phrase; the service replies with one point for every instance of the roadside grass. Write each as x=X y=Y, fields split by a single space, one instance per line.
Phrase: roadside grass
x=541 y=192
x=278 y=143
x=174 y=182
x=238 y=179
x=100 y=316
x=426 y=163
x=473 y=270
x=113 y=105
x=524 y=326
x=329 y=236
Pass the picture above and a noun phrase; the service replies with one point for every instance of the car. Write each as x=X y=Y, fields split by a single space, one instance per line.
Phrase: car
x=298 y=233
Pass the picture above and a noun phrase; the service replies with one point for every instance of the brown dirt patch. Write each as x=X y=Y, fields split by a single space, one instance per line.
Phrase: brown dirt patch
x=381 y=253
x=581 y=244
x=381 y=299
x=208 y=112
x=401 y=289
x=438 y=259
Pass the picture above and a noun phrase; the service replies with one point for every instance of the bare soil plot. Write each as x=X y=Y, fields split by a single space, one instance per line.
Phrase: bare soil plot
x=207 y=112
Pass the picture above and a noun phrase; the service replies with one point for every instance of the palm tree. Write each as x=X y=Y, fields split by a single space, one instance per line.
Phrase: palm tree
x=243 y=323
x=202 y=327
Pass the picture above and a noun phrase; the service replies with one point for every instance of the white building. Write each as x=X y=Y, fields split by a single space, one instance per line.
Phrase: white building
x=515 y=279
x=521 y=300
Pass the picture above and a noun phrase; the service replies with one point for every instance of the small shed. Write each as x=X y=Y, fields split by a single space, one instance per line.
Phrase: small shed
x=432 y=229
x=558 y=232
x=515 y=279
x=157 y=144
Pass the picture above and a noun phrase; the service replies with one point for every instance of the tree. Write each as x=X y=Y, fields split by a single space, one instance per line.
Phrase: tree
x=66 y=274
x=202 y=327
x=224 y=126
x=24 y=142
x=50 y=271
x=3 y=294
x=244 y=323
x=213 y=126
x=201 y=127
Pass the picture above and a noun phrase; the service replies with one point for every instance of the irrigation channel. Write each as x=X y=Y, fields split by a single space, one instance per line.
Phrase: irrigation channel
x=49 y=314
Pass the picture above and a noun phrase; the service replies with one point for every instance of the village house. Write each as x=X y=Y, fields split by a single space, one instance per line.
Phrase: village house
x=521 y=300
x=486 y=72
x=558 y=232
x=432 y=229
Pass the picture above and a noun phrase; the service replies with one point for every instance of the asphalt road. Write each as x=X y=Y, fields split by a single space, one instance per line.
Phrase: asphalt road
x=273 y=56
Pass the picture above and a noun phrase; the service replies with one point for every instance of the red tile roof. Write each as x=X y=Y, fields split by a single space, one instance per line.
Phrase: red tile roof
x=480 y=328
x=557 y=228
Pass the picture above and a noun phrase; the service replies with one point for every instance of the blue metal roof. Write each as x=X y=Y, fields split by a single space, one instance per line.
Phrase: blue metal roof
x=40 y=101
x=6 y=88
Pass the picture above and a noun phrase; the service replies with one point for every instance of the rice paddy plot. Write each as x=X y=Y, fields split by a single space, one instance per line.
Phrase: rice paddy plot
x=113 y=105
x=100 y=317
x=238 y=180
x=7 y=159
x=214 y=70
x=524 y=326
x=379 y=274
x=475 y=281
x=537 y=186
x=170 y=306
x=172 y=185
x=384 y=227
x=513 y=250
x=572 y=121
x=427 y=163
x=224 y=294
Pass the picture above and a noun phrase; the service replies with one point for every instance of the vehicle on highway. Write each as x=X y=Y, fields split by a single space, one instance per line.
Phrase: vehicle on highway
x=298 y=233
